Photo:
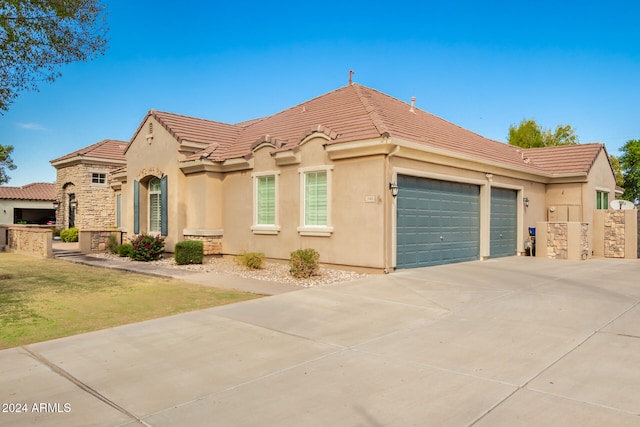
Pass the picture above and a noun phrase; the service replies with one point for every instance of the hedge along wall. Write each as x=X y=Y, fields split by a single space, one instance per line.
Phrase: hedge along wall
x=30 y=241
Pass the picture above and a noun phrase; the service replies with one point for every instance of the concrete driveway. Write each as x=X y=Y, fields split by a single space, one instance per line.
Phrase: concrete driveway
x=507 y=342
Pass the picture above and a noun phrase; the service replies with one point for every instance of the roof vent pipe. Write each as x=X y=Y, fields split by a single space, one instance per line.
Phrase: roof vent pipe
x=351 y=77
x=413 y=104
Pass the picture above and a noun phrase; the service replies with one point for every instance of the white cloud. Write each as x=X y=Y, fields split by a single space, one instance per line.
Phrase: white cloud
x=31 y=126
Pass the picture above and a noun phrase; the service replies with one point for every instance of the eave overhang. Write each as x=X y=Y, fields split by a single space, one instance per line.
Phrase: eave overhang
x=206 y=165
x=83 y=159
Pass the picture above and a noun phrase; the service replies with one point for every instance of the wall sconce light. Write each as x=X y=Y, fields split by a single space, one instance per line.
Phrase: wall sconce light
x=74 y=204
x=394 y=189
x=526 y=202
x=56 y=204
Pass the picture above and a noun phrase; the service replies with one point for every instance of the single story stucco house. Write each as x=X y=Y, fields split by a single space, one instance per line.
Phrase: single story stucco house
x=365 y=179
x=29 y=204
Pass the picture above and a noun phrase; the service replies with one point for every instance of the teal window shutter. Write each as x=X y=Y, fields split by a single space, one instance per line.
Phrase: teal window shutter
x=119 y=210
x=164 y=210
x=136 y=207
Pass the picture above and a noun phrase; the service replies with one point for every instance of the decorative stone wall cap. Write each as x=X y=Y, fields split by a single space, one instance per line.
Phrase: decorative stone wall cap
x=115 y=230
x=203 y=232
x=31 y=229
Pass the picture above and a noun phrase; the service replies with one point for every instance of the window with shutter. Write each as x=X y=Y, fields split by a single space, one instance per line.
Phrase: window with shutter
x=155 y=207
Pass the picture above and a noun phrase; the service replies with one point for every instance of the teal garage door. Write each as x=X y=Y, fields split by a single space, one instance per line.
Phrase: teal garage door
x=504 y=222
x=438 y=222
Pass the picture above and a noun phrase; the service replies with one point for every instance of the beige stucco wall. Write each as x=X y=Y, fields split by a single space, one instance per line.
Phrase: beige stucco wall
x=95 y=202
x=576 y=201
x=156 y=158
x=357 y=210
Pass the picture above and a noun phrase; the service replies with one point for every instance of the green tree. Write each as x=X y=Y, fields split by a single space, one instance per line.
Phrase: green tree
x=38 y=36
x=529 y=134
x=630 y=163
x=617 y=170
x=6 y=163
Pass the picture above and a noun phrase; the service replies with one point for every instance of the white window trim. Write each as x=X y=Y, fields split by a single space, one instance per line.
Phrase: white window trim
x=265 y=228
x=99 y=184
x=608 y=193
x=150 y=193
x=315 y=230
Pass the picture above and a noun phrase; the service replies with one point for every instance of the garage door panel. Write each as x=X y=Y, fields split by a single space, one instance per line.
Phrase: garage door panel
x=442 y=218
x=504 y=222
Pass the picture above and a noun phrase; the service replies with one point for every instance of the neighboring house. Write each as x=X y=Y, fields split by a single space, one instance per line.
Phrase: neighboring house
x=83 y=196
x=365 y=179
x=29 y=204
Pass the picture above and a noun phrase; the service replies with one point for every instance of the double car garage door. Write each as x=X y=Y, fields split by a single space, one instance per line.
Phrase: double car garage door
x=438 y=222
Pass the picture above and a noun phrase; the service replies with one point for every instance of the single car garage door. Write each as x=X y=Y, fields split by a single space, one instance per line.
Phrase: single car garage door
x=438 y=222
x=504 y=222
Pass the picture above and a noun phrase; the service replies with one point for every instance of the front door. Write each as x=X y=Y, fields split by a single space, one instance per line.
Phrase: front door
x=72 y=210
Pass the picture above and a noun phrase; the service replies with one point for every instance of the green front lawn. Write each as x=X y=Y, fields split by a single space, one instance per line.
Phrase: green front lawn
x=43 y=299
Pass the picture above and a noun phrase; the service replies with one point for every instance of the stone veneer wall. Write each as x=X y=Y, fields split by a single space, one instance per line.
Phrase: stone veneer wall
x=560 y=241
x=95 y=240
x=96 y=202
x=557 y=240
x=212 y=244
x=614 y=233
x=30 y=241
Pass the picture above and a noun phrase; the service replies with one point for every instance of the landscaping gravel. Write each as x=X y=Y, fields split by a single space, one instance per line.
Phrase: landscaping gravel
x=272 y=271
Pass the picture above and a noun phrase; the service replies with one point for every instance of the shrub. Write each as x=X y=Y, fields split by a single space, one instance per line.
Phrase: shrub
x=147 y=248
x=189 y=252
x=125 y=250
x=112 y=244
x=252 y=260
x=69 y=235
x=304 y=263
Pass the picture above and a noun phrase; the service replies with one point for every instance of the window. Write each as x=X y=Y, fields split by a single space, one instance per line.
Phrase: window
x=316 y=202
x=265 y=203
x=602 y=199
x=151 y=213
x=155 y=206
x=99 y=178
x=315 y=198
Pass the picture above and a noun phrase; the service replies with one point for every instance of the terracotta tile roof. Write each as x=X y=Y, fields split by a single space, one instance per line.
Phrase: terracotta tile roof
x=108 y=149
x=185 y=128
x=566 y=158
x=36 y=191
x=353 y=113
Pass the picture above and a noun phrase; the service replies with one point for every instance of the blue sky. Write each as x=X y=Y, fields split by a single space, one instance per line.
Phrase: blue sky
x=481 y=66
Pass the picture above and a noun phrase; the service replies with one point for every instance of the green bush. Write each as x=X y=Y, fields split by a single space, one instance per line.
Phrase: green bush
x=125 y=250
x=147 y=248
x=304 y=263
x=189 y=252
x=252 y=260
x=112 y=244
x=69 y=235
